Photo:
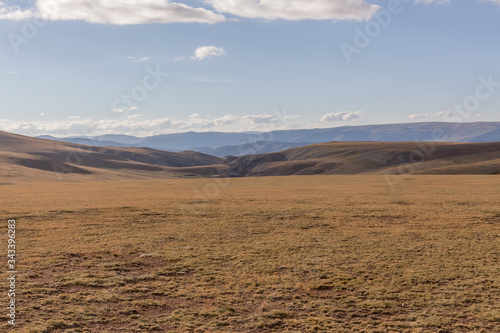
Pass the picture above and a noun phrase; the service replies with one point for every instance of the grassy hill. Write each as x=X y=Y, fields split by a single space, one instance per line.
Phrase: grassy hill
x=372 y=158
x=24 y=158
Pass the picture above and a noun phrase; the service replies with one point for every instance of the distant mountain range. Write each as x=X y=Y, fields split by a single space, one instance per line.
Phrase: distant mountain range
x=222 y=144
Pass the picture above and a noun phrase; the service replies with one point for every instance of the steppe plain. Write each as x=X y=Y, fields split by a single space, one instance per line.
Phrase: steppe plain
x=328 y=253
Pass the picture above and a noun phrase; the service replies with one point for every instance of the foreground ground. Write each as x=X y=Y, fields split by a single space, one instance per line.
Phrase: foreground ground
x=275 y=254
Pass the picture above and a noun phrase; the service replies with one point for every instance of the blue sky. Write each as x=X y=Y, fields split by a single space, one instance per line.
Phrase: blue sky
x=152 y=67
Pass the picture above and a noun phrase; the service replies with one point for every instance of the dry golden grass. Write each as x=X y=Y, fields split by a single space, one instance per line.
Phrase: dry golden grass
x=275 y=254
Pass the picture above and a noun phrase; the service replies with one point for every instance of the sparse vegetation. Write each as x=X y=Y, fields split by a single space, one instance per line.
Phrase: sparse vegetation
x=30 y=159
x=274 y=254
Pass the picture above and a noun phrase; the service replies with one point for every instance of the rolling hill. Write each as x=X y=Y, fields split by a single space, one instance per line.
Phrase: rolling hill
x=25 y=158
x=349 y=158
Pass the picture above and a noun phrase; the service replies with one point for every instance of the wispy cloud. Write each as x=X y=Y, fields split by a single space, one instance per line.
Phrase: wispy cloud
x=415 y=116
x=203 y=52
x=180 y=58
x=164 y=11
x=431 y=1
x=449 y=1
x=137 y=125
x=112 y=12
x=440 y=116
x=138 y=59
x=445 y=114
x=342 y=116
x=295 y=10
x=206 y=52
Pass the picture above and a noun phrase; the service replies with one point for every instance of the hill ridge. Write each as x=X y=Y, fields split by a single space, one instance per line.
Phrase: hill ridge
x=24 y=158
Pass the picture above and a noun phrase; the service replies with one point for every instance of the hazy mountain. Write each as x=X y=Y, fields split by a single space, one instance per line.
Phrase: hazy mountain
x=450 y=132
x=260 y=147
x=240 y=143
x=487 y=137
x=188 y=140
x=120 y=138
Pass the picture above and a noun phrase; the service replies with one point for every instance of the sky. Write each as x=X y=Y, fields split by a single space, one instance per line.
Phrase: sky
x=148 y=67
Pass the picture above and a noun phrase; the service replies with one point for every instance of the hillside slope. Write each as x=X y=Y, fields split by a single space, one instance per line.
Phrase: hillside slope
x=372 y=158
x=26 y=157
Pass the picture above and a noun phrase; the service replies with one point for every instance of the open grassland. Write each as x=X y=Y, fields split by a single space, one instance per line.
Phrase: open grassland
x=274 y=254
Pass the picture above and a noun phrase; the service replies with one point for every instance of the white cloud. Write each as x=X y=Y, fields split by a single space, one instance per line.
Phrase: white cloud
x=111 y=12
x=445 y=114
x=205 y=52
x=164 y=11
x=179 y=58
x=74 y=117
x=342 y=116
x=448 y=1
x=14 y=13
x=136 y=59
x=136 y=125
x=122 y=12
x=296 y=10
x=431 y=1
x=414 y=116
x=261 y=119
x=134 y=116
